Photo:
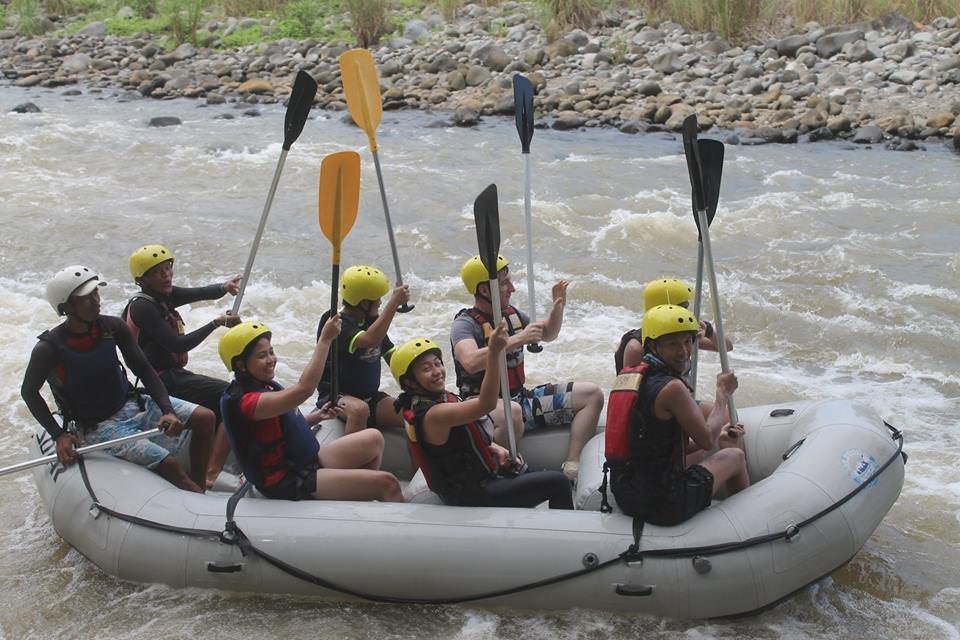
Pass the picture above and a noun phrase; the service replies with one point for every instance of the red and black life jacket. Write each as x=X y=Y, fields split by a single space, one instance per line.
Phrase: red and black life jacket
x=469 y=383
x=94 y=385
x=268 y=450
x=160 y=359
x=460 y=465
x=635 y=438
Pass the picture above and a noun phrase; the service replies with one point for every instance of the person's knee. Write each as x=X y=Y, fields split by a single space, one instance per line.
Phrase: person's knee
x=389 y=487
x=516 y=413
x=371 y=439
x=592 y=394
x=356 y=409
x=202 y=422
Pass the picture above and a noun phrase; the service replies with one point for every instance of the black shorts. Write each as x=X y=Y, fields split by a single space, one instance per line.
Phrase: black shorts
x=372 y=403
x=688 y=496
x=196 y=388
x=296 y=485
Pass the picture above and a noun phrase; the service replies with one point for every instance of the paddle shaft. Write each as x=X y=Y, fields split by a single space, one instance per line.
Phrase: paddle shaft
x=263 y=223
x=386 y=214
x=717 y=319
x=528 y=223
x=334 y=286
x=502 y=365
x=698 y=292
x=82 y=450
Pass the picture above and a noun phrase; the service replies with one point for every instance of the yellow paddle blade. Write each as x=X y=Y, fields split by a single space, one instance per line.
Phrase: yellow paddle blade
x=339 y=196
x=361 y=86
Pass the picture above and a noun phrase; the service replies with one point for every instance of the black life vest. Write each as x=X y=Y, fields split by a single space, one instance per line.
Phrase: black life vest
x=637 y=443
x=268 y=450
x=469 y=383
x=94 y=385
x=160 y=359
x=462 y=464
x=633 y=334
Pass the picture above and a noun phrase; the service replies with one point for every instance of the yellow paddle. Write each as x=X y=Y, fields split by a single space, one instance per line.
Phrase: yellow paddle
x=361 y=86
x=337 y=206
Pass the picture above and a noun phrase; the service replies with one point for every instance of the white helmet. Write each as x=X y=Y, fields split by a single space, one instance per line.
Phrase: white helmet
x=73 y=280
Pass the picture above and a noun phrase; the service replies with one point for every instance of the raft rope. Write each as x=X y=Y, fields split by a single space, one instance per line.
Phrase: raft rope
x=232 y=534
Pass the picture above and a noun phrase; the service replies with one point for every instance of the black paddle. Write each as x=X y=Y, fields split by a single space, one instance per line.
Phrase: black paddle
x=487 y=217
x=705 y=166
x=298 y=108
x=523 y=110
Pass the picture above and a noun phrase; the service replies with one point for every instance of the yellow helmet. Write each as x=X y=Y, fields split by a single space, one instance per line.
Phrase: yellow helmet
x=666 y=291
x=473 y=272
x=665 y=319
x=404 y=355
x=235 y=341
x=361 y=283
x=146 y=258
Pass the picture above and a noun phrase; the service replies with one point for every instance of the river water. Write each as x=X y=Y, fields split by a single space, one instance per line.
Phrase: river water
x=837 y=271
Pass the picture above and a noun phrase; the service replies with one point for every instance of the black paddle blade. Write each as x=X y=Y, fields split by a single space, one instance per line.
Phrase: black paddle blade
x=298 y=107
x=711 y=168
x=487 y=218
x=523 y=110
x=692 y=152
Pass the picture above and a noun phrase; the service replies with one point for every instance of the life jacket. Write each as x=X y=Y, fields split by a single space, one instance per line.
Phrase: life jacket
x=637 y=442
x=268 y=450
x=469 y=383
x=463 y=463
x=633 y=334
x=160 y=359
x=94 y=385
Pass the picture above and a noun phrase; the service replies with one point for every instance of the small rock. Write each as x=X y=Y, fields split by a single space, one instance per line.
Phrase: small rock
x=567 y=120
x=649 y=88
x=831 y=44
x=823 y=133
x=903 y=76
x=869 y=134
x=477 y=75
x=941 y=120
x=25 y=107
x=164 y=121
x=633 y=126
x=466 y=116
x=788 y=46
x=415 y=29
x=94 y=30
x=76 y=63
x=456 y=81
x=256 y=85
x=184 y=51
x=126 y=12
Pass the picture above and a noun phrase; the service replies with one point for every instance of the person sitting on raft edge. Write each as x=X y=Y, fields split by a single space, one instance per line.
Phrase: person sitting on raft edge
x=656 y=292
x=451 y=445
x=577 y=404
x=273 y=442
x=360 y=346
x=654 y=428
x=78 y=359
x=152 y=316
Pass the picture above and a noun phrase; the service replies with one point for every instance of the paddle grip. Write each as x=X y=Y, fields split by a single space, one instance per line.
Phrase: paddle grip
x=406 y=308
x=534 y=347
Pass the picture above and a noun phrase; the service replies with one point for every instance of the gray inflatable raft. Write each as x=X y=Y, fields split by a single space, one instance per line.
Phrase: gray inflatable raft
x=824 y=475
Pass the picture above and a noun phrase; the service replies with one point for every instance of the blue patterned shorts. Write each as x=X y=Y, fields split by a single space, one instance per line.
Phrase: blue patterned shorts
x=547 y=405
x=148 y=452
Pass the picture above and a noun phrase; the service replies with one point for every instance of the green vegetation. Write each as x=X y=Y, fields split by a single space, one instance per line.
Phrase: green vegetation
x=365 y=22
x=29 y=16
x=369 y=20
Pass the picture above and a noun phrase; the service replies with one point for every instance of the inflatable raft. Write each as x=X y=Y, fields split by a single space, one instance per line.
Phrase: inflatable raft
x=824 y=475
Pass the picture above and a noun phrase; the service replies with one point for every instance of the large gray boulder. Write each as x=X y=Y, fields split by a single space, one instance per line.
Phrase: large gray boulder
x=831 y=44
x=76 y=63
x=415 y=29
x=788 y=46
x=94 y=30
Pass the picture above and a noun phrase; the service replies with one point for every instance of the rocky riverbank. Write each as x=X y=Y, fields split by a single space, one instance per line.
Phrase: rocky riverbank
x=887 y=81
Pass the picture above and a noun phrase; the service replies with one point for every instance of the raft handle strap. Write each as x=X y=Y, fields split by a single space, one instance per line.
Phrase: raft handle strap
x=796 y=445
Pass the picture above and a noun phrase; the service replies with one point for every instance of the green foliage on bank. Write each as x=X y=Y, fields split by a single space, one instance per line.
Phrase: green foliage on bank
x=366 y=22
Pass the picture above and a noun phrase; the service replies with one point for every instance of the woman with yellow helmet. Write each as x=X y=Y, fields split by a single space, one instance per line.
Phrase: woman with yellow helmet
x=449 y=439
x=656 y=292
x=273 y=441
x=649 y=439
x=362 y=344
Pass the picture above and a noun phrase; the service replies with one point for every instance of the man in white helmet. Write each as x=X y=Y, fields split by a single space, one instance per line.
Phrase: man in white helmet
x=78 y=359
